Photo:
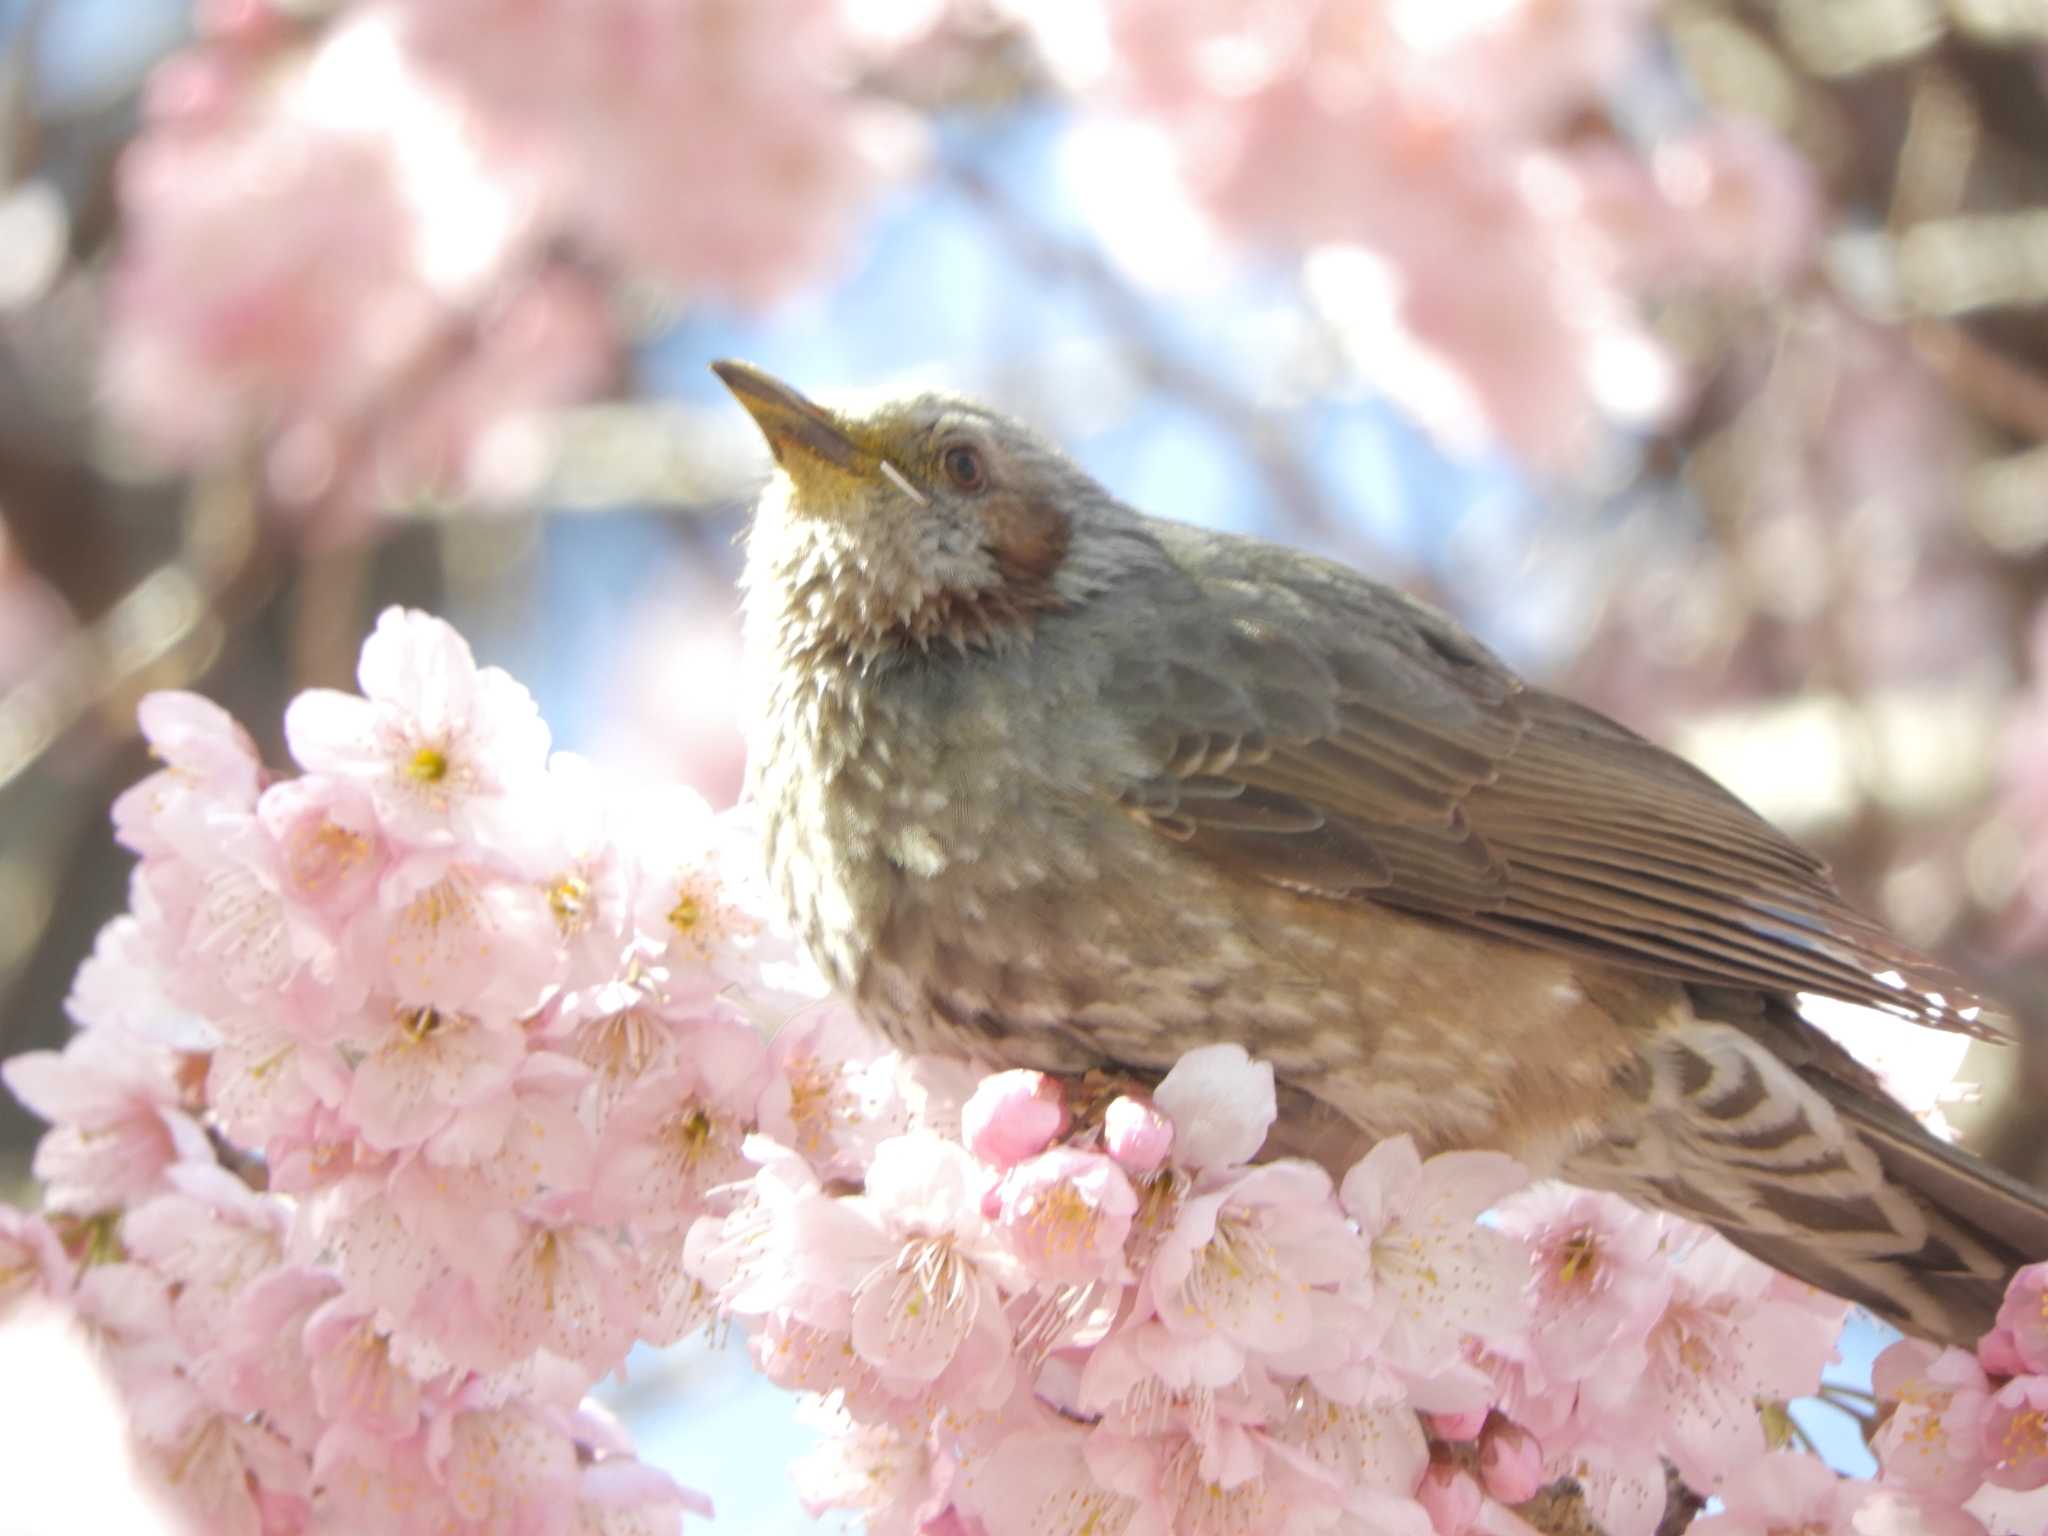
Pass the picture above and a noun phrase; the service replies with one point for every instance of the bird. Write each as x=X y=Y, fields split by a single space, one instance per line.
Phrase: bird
x=1045 y=782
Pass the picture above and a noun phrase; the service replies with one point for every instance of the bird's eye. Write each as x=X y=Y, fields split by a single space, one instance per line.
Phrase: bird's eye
x=964 y=468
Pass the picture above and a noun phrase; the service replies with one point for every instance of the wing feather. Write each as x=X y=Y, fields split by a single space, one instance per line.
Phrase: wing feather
x=1319 y=732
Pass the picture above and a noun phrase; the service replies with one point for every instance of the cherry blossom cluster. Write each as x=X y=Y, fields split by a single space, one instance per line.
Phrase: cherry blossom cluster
x=380 y=240
x=397 y=1089
x=378 y=243
x=1967 y=1433
x=1061 y=1313
x=417 y=1085
x=1482 y=232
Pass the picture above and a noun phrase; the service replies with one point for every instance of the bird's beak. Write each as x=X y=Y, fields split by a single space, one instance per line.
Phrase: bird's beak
x=801 y=434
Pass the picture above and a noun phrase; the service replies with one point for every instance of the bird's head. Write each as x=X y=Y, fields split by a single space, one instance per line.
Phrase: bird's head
x=924 y=522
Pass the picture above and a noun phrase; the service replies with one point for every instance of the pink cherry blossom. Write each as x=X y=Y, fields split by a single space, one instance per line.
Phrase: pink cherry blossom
x=1510 y=1462
x=445 y=748
x=1436 y=1275
x=1365 y=136
x=583 y=872
x=1221 y=1103
x=1012 y=1116
x=677 y=1135
x=1722 y=1343
x=763 y=1255
x=618 y=1496
x=211 y=1238
x=1174 y=1486
x=337 y=181
x=313 y=968
x=1999 y=1355
x=331 y=852
x=560 y=86
x=504 y=1467
x=882 y=1470
x=834 y=1095
x=210 y=765
x=125 y=1309
x=1370 y=1447
x=924 y=1265
x=476 y=434
x=2024 y=1317
x=259 y=1363
x=241 y=947
x=1066 y=1214
x=122 y=988
x=456 y=935
x=506 y=1079
x=2015 y=1434
x=1598 y=1278
x=1886 y=1511
x=1452 y=1498
x=1790 y=1491
x=32 y=1262
x=698 y=896
x=261 y=223
x=799 y=1357
x=121 y=1120
x=220 y=1470
x=1240 y=1263
x=1137 y=1135
x=529 y=1148
x=269 y=1087
x=365 y=1483
x=420 y=1066
x=1042 y=1477
x=1933 y=1439
x=622 y=1032
x=380 y=1228
x=1992 y=1510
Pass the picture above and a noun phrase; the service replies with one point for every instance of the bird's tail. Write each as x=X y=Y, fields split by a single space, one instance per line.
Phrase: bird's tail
x=1765 y=1130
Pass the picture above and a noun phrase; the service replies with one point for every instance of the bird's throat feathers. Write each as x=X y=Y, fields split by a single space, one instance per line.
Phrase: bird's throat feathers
x=860 y=592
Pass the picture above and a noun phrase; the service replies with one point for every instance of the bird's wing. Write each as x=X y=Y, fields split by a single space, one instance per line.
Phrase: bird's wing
x=1315 y=730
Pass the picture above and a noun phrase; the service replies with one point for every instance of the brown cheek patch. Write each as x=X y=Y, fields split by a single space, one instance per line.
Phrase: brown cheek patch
x=1029 y=540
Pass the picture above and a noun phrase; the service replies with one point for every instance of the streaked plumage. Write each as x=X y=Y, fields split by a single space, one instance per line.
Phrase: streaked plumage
x=1054 y=784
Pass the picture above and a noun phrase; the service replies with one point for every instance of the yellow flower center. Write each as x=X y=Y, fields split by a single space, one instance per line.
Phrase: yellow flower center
x=103 y=1243
x=810 y=1102
x=2026 y=1437
x=686 y=914
x=315 y=862
x=429 y=765
x=1063 y=1220
x=1581 y=1257
x=695 y=1129
x=570 y=899
x=419 y=1023
x=1695 y=1353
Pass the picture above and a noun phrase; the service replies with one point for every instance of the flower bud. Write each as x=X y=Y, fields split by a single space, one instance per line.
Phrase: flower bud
x=1458 y=1426
x=1510 y=1461
x=1136 y=1135
x=1451 y=1497
x=1012 y=1116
